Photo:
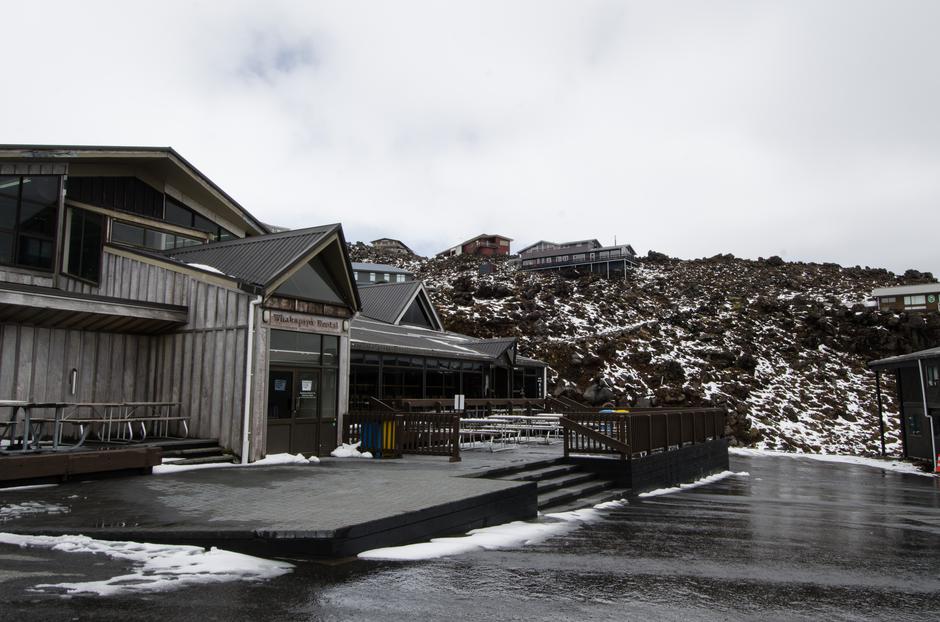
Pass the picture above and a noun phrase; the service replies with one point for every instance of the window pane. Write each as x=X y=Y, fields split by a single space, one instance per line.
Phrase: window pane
x=159 y=241
x=124 y=233
x=38 y=205
x=180 y=242
x=328 y=394
x=9 y=196
x=35 y=252
x=86 y=232
x=204 y=224
x=177 y=214
x=6 y=247
x=330 y=350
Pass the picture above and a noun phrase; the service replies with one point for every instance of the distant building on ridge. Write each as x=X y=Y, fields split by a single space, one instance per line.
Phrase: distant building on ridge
x=587 y=256
x=484 y=245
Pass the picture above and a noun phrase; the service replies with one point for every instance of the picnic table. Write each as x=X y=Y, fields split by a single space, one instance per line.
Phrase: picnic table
x=116 y=421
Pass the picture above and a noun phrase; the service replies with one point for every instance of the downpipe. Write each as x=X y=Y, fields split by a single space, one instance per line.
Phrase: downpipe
x=249 y=375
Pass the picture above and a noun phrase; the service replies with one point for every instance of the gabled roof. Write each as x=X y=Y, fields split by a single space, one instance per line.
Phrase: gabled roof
x=265 y=261
x=388 y=302
x=377 y=267
x=166 y=157
x=484 y=235
x=534 y=244
x=906 y=290
x=495 y=348
x=399 y=242
x=905 y=360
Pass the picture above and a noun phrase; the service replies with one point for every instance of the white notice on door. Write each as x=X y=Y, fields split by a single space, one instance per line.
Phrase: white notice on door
x=306 y=385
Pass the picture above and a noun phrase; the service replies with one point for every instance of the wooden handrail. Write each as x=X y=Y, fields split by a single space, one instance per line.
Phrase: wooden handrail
x=603 y=439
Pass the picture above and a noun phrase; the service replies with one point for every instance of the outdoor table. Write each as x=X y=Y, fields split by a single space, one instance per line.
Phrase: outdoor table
x=28 y=421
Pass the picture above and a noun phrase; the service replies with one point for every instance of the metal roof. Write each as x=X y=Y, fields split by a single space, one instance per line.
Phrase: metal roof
x=905 y=360
x=377 y=267
x=906 y=290
x=386 y=301
x=374 y=336
x=554 y=252
x=257 y=260
x=497 y=347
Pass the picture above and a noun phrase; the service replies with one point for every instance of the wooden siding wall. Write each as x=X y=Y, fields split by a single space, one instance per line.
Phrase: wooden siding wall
x=11 y=275
x=35 y=364
x=122 y=277
x=201 y=365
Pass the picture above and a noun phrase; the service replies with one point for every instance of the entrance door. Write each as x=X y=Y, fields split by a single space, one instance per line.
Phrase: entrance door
x=301 y=410
x=305 y=438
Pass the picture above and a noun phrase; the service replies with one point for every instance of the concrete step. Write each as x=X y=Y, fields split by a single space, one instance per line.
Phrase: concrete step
x=218 y=458
x=168 y=444
x=502 y=472
x=573 y=493
x=196 y=452
x=610 y=494
x=564 y=481
x=548 y=472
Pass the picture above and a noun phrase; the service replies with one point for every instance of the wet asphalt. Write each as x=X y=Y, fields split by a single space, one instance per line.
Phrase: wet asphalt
x=796 y=539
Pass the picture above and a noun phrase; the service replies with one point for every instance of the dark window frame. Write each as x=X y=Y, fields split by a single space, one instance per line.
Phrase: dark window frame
x=69 y=223
x=17 y=231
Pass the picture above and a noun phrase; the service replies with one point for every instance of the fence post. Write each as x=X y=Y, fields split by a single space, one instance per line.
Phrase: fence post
x=565 y=428
x=455 y=438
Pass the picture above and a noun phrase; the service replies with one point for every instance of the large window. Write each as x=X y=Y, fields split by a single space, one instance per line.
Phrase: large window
x=84 y=237
x=129 y=194
x=145 y=237
x=915 y=302
x=28 y=209
x=933 y=374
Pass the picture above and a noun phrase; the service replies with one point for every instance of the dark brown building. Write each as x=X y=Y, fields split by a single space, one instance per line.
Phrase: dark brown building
x=924 y=297
x=484 y=245
x=918 y=387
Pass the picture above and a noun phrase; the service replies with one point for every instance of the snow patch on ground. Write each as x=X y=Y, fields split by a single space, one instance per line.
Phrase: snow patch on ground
x=157 y=567
x=518 y=533
x=886 y=464
x=270 y=460
x=18 y=510
x=710 y=479
x=29 y=487
x=350 y=451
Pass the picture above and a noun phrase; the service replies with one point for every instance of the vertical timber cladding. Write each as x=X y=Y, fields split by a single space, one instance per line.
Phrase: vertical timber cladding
x=200 y=365
x=278 y=326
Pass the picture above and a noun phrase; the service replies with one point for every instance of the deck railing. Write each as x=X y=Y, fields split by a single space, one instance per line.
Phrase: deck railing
x=641 y=431
x=394 y=434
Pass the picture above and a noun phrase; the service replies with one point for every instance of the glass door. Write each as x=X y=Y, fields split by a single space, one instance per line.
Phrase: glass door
x=307 y=411
x=280 y=410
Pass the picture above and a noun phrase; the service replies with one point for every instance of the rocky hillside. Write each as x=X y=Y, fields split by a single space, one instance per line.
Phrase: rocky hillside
x=783 y=345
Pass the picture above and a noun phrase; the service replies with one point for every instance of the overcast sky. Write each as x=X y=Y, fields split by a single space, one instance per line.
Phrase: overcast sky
x=809 y=130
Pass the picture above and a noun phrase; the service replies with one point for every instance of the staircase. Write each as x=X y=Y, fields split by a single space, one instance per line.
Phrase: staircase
x=562 y=486
x=193 y=451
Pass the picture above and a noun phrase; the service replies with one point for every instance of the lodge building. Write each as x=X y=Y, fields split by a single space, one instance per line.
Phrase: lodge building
x=126 y=275
x=585 y=256
x=401 y=351
x=129 y=276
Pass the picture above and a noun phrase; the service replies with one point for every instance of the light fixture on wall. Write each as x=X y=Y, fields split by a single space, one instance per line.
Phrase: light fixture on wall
x=345 y=325
x=266 y=315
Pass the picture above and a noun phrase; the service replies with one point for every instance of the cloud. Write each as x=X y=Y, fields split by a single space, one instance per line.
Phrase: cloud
x=803 y=129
